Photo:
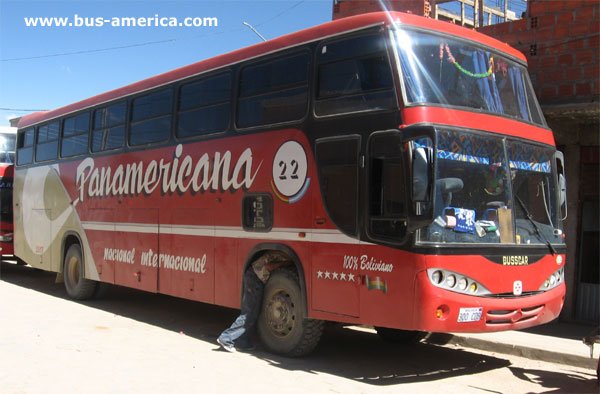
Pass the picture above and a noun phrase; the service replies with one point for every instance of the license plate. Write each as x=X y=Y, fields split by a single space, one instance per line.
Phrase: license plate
x=469 y=314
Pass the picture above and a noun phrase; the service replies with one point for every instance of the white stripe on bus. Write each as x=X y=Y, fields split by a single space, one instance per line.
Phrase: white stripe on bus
x=276 y=234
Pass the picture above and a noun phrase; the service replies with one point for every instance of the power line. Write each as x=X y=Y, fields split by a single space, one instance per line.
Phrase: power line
x=22 y=109
x=143 y=43
x=88 y=51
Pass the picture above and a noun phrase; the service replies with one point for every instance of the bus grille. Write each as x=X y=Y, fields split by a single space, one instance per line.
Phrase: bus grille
x=512 y=317
x=511 y=295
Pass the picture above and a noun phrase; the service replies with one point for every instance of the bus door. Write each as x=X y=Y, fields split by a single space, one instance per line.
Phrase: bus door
x=186 y=259
x=335 y=247
x=136 y=239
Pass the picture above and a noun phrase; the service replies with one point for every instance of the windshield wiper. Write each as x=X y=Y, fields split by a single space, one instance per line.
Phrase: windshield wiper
x=536 y=228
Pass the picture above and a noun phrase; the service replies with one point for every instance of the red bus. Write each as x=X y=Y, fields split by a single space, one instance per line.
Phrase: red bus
x=401 y=166
x=6 y=208
x=8 y=137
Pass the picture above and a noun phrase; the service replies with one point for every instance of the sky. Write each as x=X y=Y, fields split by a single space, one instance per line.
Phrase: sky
x=48 y=67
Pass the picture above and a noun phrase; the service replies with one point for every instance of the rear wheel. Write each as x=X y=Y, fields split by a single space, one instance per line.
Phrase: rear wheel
x=282 y=325
x=399 y=336
x=76 y=284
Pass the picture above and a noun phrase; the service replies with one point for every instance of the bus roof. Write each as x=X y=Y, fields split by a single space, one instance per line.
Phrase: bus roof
x=289 y=40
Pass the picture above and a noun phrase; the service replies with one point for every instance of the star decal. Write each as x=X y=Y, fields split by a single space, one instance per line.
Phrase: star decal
x=327 y=275
x=350 y=277
x=343 y=276
x=335 y=276
x=319 y=274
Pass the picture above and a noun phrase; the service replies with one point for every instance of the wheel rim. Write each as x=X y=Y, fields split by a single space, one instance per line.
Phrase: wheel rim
x=281 y=314
x=73 y=271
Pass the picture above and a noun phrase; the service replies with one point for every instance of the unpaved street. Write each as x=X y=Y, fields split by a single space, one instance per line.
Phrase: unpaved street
x=135 y=342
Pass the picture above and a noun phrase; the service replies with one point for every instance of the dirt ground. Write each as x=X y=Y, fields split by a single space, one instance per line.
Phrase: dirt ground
x=134 y=342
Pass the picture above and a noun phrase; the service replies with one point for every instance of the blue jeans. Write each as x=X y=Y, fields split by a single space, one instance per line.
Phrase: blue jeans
x=240 y=331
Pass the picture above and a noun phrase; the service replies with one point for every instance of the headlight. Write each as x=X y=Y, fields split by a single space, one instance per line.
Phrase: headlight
x=451 y=281
x=554 y=280
x=437 y=277
x=455 y=282
x=6 y=237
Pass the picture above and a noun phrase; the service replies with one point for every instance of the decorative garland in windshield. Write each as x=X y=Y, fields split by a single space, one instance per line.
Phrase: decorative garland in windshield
x=460 y=68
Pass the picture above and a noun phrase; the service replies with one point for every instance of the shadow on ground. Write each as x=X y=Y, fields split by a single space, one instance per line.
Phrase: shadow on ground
x=357 y=355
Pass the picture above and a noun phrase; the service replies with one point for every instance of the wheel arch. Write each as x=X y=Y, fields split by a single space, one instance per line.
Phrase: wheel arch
x=267 y=247
x=71 y=238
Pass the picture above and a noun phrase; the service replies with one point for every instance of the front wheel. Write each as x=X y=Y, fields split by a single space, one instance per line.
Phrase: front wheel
x=282 y=325
x=77 y=286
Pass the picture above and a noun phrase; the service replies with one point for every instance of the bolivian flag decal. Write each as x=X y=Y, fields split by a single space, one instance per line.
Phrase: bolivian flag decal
x=376 y=283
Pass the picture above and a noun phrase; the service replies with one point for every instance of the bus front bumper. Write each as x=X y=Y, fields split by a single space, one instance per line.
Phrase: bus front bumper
x=441 y=310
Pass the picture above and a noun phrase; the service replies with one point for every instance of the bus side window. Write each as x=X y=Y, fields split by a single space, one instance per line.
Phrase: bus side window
x=204 y=106
x=151 y=118
x=25 y=146
x=75 y=135
x=47 y=142
x=387 y=190
x=108 y=127
x=338 y=160
x=275 y=91
x=354 y=74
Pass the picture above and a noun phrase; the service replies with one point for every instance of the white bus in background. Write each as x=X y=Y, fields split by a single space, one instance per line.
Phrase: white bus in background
x=8 y=137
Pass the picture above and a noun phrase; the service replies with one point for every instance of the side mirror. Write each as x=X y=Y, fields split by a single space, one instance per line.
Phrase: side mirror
x=559 y=159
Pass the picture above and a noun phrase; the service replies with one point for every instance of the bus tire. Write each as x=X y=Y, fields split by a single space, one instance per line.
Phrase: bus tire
x=399 y=336
x=282 y=325
x=77 y=286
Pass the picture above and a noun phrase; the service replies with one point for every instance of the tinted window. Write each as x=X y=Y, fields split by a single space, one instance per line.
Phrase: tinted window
x=76 y=125
x=354 y=75
x=109 y=129
x=204 y=106
x=48 y=132
x=338 y=176
x=274 y=75
x=25 y=146
x=274 y=92
x=151 y=118
x=47 y=142
x=387 y=194
x=75 y=135
x=207 y=91
x=152 y=105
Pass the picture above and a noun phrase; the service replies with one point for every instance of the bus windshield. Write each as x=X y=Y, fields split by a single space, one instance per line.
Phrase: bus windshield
x=492 y=190
x=445 y=71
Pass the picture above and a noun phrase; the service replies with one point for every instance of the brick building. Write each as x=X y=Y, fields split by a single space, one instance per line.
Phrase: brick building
x=561 y=40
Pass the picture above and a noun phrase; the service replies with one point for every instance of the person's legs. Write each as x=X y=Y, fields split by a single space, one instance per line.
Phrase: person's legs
x=238 y=332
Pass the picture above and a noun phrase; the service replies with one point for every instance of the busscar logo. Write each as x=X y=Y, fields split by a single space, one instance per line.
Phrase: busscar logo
x=515 y=260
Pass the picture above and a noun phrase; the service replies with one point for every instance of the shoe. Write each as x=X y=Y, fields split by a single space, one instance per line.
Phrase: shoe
x=229 y=348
